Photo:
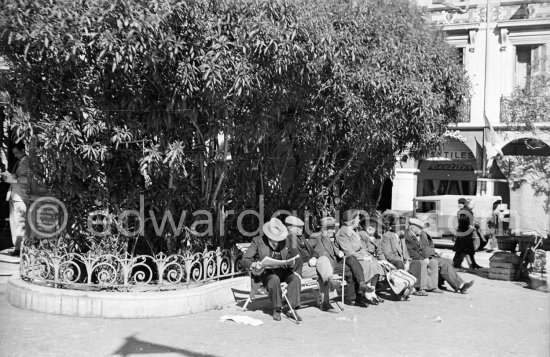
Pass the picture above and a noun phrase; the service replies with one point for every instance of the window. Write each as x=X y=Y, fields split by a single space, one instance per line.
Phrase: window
x=425 y=206
x=460 y=54
x=529 y=60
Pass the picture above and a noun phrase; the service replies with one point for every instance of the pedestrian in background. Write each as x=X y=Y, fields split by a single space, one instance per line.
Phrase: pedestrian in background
x=17 y=196
x=464 y=241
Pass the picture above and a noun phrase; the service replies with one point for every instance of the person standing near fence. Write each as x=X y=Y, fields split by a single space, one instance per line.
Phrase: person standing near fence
x=17 y=197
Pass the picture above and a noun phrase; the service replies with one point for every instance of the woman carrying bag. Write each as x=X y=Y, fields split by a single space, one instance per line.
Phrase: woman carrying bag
x=465 y=241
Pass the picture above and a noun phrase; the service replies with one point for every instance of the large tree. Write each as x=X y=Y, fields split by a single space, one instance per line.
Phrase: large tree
x=209 y=104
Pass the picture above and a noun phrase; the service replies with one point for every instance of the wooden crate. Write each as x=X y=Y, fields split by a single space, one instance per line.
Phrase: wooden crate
x=503 y=265
x=509 y=271
x=505 y=257
x=507 y=277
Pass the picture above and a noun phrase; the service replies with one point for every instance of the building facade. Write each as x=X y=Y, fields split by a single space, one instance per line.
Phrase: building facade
x=505 y=49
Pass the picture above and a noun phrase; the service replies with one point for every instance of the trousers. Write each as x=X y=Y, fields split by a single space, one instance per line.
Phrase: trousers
x=354 y=268
x=272 y=282
x=448 y=273
x=323 y=268
x=426 y=274
x=18 y=213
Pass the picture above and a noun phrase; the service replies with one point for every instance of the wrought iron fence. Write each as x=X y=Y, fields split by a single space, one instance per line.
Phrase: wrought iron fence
x=124 y=272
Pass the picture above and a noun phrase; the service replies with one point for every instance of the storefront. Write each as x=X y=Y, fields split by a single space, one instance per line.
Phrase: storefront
x=454 y=171
x=451 y=173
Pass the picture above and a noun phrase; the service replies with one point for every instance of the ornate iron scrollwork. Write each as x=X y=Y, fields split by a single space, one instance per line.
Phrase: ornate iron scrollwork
x=44 y=265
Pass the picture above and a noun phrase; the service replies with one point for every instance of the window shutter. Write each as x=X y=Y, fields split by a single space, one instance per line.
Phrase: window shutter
x=539 y=59
x=523 y=62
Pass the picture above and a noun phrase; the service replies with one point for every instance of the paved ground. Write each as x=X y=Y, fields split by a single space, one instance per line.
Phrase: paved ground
x=496 y=319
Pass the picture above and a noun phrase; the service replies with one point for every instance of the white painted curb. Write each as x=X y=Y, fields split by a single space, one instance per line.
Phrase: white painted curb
x=124 y=304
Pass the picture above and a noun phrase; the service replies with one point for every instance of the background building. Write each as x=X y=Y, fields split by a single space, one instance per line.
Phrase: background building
x=505 y=49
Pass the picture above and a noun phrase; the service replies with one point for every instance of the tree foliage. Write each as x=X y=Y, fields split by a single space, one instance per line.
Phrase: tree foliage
x=210 y=104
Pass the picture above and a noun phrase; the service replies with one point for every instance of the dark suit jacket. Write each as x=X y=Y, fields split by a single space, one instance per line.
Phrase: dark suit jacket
x=300 y=245
x=419 y=249
x=259 y=249
x=325 y=248
x=394 y=248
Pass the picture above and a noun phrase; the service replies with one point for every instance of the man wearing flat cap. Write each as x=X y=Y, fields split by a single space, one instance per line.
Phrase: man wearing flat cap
x=326 y=247
x=274 y=245
x=299 y=245
x=424 y=268
x=445 y=266
x=350 y=242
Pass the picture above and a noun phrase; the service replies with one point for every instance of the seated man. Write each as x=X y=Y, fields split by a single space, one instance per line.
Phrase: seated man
x=426 y=267
x=326 y=248
x=393 y=246
x=350 y=242
x=298 y=244
x=447 y=272
x=273 y=245
x=396 y=252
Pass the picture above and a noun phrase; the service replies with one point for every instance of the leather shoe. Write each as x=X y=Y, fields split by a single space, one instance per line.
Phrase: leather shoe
x=406 y=293
x=372 y=301
x=465 y=287
x=437 y=291
x=361 y=303
x=326 y=306
x=419 y=293
x=277 y=315
x=294 y=315
x=364 y=288
x=15 y=253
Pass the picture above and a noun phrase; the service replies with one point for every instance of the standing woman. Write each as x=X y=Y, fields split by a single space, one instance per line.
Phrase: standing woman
x=17 y=196
x=464 y=242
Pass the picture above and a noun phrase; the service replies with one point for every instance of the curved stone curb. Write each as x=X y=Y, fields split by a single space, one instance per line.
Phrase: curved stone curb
x=123 y=304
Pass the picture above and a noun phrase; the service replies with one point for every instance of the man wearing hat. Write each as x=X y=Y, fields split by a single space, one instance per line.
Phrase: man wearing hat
x=424 y=268
x=350 y=242
x=326 y=248
x=445 y=266
x=393 y=244
x=274 y=245
x=298 y=244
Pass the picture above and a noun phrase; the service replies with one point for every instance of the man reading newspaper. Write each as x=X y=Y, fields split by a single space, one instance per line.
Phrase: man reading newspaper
x=269 y=260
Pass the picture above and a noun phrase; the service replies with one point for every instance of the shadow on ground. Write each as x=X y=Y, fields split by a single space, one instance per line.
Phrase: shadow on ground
x=134 y=346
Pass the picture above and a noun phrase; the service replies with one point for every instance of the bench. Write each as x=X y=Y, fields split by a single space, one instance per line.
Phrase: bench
x=307 y=285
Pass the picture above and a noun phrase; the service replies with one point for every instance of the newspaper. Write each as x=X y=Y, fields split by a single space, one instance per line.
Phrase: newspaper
x=270 y=263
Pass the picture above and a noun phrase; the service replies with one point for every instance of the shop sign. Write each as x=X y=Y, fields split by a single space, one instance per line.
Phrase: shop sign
x=450 y=166
x=458 y=155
